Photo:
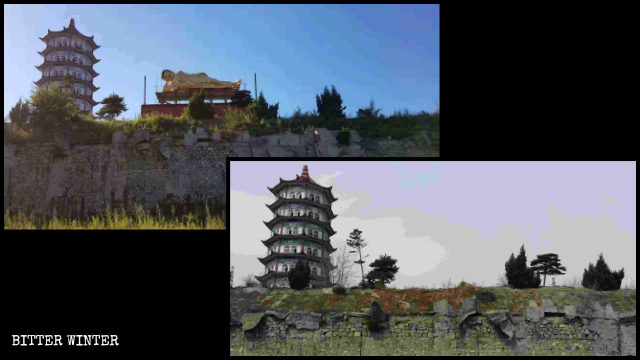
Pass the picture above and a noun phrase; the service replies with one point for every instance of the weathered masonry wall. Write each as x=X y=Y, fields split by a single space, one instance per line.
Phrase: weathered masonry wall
x=82 y=180
x=76 y=180
x=550 y=330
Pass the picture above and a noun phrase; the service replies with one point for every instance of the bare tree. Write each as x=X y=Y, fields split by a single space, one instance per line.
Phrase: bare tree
x=250 y=281
x=502 y=280
x=343 y=260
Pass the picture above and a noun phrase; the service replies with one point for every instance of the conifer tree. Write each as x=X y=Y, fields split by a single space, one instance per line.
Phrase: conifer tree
x=113 y=106
x=384 y=270
x=547 y=264
x=300 y=276
x=520 y=276
x=600 y=277
x=329 y=104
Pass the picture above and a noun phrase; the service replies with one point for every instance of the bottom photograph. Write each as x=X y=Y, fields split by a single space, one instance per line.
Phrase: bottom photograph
x=369 y=258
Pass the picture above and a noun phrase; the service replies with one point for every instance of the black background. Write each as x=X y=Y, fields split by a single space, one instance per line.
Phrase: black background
x=517 y=83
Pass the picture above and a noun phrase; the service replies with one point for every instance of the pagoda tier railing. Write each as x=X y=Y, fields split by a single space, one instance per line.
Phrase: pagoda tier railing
x=273 y=255
x=72 y=78
x=62 y=46
x=69 y=62
x=50 y=48
x=305 y=184
x=325 y=225
x=304 y=237
x=269 y=273
x=285 y=200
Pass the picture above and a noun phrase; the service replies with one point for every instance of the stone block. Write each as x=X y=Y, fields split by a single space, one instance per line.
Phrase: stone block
x=141 y=135
x=304 y=320
x=443 y=308
x=534 y=314
x=548 y=306
x=470 y=305
x=119 y=138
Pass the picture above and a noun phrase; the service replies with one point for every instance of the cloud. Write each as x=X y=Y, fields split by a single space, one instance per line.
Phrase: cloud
x=247 y=212
x=387 y=235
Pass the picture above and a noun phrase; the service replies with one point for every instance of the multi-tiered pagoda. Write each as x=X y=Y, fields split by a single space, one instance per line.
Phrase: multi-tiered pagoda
x=69 y=52
x=300 y=231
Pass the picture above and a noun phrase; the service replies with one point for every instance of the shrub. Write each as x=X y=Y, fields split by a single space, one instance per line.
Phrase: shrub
x=198 y=109
x=15 y=135
x=339 y=290
x=599 y=277
x=300 y=276
x=344 y=137
x=19 y=114
x=485 y=296
x=52 y=109
x=369 y=112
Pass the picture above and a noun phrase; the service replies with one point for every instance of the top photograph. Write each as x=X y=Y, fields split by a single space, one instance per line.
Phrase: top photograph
x=179 y=82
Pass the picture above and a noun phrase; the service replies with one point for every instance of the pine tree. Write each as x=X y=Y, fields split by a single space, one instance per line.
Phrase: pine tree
x=355 y=241
x=384 y=270
x=547 y=264
x=520 y=276
x=600 y=277
x=113 y=106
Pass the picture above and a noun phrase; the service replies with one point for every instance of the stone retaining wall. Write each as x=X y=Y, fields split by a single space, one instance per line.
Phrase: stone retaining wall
x=547 y=330
x=77 y=180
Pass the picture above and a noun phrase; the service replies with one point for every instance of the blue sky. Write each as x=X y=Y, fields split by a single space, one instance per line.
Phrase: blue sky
x=386 y=52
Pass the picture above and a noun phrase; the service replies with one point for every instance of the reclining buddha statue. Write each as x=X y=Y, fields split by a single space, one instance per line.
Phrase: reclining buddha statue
x=184 y=81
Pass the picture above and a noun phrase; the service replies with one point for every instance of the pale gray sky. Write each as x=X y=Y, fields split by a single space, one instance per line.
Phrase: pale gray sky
x=454 y=220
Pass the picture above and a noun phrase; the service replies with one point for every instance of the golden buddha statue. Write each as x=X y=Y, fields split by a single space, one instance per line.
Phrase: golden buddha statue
x=183 y=81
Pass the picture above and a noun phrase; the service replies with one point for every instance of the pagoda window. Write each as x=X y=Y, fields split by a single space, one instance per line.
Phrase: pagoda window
x=315 y=216
x=314 y=271
x=286 y=249
x=291 y=195
x=64 y=43
x=311 y=197
x=284 y=268
x=315 y=233
x=59 y=43
x=308 y=251
x=299 y=196
x=315 y=252
x=294 y=249
x=290 y=231
x=74 y=59
x=57 y=58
